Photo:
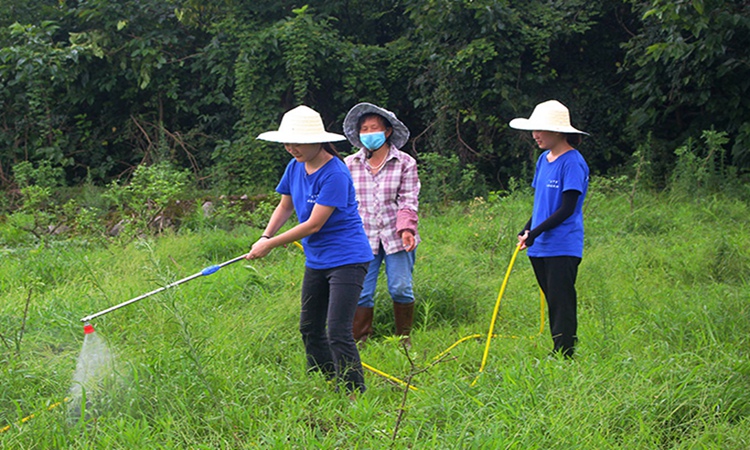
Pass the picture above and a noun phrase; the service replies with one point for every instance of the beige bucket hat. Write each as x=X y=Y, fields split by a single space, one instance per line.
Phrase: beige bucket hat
x=301 y=125
x=400 y=133
x=548 y=116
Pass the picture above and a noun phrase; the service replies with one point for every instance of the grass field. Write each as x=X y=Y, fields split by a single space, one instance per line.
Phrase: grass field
x=662 y=363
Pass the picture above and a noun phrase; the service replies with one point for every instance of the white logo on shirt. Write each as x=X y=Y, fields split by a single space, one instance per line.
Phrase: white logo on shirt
x=554 y=184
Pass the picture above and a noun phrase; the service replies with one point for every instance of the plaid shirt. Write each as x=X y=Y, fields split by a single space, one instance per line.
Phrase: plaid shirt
x=388 y=200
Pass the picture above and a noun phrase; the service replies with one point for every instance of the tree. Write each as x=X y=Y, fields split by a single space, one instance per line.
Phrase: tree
x=487 y=61
x=106 y=85
x=691 y=69
x=302 y=59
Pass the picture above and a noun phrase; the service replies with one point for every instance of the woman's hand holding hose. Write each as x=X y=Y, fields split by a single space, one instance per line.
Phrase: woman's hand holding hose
x=522 y=240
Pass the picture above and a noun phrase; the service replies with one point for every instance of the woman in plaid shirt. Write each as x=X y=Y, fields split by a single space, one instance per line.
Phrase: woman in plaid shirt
x=387 y=187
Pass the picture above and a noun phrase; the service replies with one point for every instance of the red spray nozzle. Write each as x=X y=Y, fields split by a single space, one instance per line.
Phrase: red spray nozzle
x=88 y=329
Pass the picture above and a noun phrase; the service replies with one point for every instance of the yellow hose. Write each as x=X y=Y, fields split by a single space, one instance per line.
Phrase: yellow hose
x=390 y=377
x=490 y=334
x=443 y=353
x=31 y=416
x=494 y=313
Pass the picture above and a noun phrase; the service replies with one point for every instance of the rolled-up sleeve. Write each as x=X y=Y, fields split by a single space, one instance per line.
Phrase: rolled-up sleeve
x=408 y=198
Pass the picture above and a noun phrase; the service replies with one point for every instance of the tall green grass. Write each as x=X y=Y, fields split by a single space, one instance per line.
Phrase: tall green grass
x=664 y=313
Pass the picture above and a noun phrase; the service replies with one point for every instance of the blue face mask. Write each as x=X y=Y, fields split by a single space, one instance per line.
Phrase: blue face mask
x=373 y=141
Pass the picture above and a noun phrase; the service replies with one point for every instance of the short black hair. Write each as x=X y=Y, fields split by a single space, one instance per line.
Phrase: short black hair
x=364 y=117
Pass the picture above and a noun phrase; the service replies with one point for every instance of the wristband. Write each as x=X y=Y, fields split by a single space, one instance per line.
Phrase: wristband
x=265 y=236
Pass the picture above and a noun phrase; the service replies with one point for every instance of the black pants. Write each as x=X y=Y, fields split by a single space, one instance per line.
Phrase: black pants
x=329 y=298
x=557 y=278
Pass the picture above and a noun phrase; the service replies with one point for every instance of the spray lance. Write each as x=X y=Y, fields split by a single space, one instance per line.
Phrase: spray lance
x=88 y=328
x=88 y=331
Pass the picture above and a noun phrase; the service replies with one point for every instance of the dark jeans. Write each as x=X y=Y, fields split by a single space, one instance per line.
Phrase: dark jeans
x=557 y=278
x=329 y=297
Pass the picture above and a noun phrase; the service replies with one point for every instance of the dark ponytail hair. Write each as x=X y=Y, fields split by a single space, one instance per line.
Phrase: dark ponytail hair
x=330 y=148
x=574 y=139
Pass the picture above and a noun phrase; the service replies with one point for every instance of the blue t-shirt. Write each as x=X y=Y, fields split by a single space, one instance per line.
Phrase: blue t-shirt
x=568 y=172
x=342 y=238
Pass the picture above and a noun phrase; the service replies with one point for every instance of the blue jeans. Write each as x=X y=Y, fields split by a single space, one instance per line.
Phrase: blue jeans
x=329 y=300
x=398 y=270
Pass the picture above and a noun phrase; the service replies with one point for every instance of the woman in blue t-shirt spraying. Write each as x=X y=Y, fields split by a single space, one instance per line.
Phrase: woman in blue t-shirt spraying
x=554 y=234
x=318 y=187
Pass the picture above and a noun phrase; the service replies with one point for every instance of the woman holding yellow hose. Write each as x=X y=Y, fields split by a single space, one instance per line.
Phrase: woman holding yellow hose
x=553 y=236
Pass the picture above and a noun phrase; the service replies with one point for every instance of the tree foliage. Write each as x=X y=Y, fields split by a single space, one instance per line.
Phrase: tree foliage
x=488 y=61
x=97 y=88
x=104 y=86
x=691 y=71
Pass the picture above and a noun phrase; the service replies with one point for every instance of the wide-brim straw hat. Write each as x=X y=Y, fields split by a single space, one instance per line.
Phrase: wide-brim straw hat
x=398 y=137
x=548 y=116
x=301 y=125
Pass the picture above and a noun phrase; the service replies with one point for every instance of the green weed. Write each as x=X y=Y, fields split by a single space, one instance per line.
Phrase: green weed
x=218 y=362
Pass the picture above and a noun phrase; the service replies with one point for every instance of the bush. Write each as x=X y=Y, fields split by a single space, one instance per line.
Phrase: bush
x=444 y=179
x=701 y=168
x=36 y=213
x=151 y=189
